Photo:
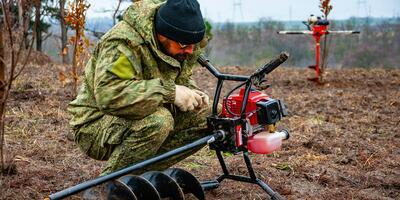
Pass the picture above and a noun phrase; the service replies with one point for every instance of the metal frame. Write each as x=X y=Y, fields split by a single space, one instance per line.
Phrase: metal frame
x=252 y=178
x=259 y=74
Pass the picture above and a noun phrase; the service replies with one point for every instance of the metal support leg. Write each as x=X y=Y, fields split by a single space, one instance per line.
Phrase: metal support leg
x=207 y=185
x=274 y=195
x=249 y=165
x=222 y=163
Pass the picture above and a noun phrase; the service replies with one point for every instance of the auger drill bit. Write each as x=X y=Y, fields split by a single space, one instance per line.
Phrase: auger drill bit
x=186 y=181
x=118 y=190
x=165 y=185
x=141 y=187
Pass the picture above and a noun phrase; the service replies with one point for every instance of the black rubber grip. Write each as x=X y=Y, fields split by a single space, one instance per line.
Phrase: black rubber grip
x=203 y=60
x=269 y=67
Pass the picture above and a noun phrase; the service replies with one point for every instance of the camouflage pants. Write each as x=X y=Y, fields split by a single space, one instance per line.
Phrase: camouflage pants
x=124 y=142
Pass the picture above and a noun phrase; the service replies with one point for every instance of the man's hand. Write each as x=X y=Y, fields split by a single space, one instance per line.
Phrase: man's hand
x=204 y=97
x=187 y=99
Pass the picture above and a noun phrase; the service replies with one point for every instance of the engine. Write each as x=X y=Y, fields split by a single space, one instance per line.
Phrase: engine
x=261 y=110
x=262 y=113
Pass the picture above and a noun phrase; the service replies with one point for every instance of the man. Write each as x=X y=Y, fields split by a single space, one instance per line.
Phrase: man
x=138 y=99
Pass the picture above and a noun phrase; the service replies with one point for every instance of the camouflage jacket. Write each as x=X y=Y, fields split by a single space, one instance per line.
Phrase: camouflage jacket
x=127 y=75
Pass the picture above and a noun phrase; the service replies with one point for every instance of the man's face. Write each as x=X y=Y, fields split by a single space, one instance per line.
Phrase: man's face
x=174 y=49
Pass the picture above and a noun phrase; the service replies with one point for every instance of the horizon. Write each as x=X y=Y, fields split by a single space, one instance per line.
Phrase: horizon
x=284 y=10
x=278 y=20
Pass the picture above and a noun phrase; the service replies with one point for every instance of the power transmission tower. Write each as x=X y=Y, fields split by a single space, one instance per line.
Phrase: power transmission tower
x=362 y=4
x=237 y=7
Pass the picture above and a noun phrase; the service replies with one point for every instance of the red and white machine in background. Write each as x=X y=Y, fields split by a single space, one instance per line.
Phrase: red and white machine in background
x=318 y=27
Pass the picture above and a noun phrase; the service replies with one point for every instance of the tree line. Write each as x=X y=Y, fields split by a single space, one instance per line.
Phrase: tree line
x=253 y=44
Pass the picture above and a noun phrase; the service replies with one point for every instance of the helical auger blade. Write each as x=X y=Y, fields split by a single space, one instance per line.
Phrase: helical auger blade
x=117 y=190
x=171 y=184
x=186 y=181
x=165 y=185
x=141 y=187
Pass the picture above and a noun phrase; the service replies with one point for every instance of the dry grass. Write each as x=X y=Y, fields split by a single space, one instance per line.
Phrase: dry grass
x=344 y=145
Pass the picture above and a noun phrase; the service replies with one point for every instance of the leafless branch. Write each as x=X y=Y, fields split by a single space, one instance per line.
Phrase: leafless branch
x=29 y=50
x=27 y=56
x=20 y=50
x=13 y=60
x=2 y=60
x=116 y=11
x=47 y=36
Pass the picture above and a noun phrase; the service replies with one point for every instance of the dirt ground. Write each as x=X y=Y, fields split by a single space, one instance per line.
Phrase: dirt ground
x=345 y=138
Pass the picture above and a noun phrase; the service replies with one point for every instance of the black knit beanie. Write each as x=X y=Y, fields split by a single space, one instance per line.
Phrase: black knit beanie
x=181 y=21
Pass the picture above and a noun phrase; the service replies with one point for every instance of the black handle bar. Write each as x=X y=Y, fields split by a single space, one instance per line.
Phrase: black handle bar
x=206 y=63
x=248 y=80
x=267 y=68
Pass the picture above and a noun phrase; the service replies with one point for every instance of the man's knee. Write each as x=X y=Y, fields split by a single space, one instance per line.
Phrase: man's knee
x=195 y=118
x=99 y=138
x=160 y=121
x=142 y=141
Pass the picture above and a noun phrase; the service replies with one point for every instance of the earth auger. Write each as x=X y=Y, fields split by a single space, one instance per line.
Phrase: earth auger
x=318 y=27
x=246 y=124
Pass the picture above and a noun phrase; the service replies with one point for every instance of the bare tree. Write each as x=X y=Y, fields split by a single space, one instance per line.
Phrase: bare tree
x=64 y=36
x=24 y=9
x=21 y=5
x=11 y=69
x=38 y=36
x=2 y=89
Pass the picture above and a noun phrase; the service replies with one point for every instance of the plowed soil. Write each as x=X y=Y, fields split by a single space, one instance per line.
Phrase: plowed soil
x=344 y=144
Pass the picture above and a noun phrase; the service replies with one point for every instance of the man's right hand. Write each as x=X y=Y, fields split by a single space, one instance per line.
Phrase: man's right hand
x=186 y=99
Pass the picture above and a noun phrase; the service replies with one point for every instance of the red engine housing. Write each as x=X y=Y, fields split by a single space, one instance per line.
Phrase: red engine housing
x=234 y=104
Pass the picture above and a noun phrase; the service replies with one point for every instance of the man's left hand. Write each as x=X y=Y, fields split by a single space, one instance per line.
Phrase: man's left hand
x=205 y=100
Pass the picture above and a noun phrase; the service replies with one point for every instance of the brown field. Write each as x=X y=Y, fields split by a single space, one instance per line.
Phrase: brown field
x=345 y=138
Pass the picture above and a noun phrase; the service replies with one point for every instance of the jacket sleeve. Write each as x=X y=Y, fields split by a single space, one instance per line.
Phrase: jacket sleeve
x=119 y=88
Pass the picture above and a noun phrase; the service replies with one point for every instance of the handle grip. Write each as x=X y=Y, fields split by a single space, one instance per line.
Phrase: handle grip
x=269 y=67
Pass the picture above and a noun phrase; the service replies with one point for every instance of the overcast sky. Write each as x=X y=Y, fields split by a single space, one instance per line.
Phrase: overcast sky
x=252 y=10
